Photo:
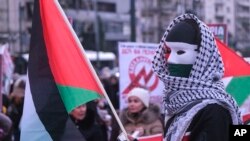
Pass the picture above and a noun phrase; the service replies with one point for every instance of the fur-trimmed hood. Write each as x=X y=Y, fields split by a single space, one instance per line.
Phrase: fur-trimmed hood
x=149 y=115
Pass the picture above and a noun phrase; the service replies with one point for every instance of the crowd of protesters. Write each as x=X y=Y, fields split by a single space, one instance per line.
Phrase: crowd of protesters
x=92 y=118
x=139 y=118
x=12 y=109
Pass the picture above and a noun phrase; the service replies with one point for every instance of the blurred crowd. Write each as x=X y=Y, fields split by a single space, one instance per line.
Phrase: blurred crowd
x=12 y=109
x=93 y=118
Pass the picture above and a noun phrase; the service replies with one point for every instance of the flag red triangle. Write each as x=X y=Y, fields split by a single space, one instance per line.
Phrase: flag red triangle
x=234 y=64
x=72 y=71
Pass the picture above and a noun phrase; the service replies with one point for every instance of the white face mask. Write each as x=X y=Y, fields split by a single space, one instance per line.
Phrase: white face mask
x=181 y=53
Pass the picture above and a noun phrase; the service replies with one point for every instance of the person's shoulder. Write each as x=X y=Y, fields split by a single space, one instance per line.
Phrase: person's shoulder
x=5 y=123
x=214 y=112
x=215 y=108
x=124 y=116
x=211 y=123
x=210 y=117
x=154 y=108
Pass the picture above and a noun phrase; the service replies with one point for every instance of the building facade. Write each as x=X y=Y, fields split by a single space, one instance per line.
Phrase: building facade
x=15 y=23
x=109 y=19
x=236 y=15
x=154 y=16
x=242 y=24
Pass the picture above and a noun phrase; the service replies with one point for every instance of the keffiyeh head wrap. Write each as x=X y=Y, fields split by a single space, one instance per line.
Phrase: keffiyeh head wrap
x=184 y=97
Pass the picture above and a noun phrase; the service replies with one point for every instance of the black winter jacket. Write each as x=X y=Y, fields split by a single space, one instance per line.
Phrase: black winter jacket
x=209 y=124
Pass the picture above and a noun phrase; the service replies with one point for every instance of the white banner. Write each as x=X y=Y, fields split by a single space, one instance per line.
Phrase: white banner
x=135 y=65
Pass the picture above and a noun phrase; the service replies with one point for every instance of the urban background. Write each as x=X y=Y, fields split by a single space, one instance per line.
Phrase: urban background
x=101 y=24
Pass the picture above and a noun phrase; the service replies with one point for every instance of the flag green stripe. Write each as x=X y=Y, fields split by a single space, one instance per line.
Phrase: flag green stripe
x=239 y=88
x=73 y=97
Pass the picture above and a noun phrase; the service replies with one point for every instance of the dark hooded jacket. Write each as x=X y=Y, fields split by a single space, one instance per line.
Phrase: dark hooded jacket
x=90 y=129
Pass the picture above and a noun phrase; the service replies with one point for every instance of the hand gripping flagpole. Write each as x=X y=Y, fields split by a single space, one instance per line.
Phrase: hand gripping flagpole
x=92 y=69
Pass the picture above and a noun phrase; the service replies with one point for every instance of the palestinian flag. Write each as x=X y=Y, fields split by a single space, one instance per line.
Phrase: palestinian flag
x=156 y=137
x=237 y=73
x=59 y=77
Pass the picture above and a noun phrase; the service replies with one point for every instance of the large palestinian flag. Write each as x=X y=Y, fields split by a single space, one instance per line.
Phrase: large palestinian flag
x=59 y=77
x=237 y=73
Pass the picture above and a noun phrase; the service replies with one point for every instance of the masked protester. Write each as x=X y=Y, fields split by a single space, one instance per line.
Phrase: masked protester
x=190 y=66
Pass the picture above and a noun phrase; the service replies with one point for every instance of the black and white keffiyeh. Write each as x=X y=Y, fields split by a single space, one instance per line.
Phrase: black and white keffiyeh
x=184 y=97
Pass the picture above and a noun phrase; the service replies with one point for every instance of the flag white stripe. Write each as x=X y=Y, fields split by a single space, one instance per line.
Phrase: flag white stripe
x=32 y=128
x=226 y=80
